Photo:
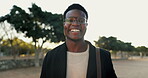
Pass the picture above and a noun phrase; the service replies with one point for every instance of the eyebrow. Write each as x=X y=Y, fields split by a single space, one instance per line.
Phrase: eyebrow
x=76 y=17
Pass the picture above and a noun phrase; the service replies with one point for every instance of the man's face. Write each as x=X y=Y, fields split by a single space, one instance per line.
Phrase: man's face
x=75 y=25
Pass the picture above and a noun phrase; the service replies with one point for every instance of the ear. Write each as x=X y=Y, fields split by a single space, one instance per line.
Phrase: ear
x=63 y=23
x=86 y=24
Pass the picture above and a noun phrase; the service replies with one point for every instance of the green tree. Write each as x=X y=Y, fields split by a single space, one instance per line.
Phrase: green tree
x=142 y=50
x=19 y=46
x=38 y=25
x=111 y=43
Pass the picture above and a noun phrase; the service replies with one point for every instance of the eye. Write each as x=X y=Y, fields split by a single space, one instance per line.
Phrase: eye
x=81 y=20
x=71 y=20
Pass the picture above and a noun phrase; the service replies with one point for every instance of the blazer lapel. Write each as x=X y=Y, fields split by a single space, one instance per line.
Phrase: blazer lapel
x=61 y=62
x=91 y=70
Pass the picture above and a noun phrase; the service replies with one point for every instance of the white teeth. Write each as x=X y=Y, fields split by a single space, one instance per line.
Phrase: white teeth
x=75 y=30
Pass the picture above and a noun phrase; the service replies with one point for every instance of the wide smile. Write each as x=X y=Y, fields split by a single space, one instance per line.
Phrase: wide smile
x=75 y=30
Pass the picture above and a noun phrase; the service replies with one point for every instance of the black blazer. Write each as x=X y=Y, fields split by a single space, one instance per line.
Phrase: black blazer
x=55 y=63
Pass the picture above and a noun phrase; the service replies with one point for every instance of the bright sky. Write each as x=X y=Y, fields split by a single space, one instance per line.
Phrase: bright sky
x=125 y=19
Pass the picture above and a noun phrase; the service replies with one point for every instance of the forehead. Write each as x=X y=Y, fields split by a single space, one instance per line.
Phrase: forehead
x=75 y=13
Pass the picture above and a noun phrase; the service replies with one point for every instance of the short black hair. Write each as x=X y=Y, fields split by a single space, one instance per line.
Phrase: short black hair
x=76 y=6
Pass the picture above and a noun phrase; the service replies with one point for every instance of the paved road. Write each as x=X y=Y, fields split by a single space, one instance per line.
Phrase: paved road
x=31 y=72
x=131 y=69
x=123 y=68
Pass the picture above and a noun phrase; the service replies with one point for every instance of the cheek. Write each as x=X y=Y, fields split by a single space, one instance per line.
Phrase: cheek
x=66 y=26
x=65 y=29
x=84 y=28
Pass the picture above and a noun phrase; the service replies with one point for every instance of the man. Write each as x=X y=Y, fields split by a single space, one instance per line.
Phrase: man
x=76 y=58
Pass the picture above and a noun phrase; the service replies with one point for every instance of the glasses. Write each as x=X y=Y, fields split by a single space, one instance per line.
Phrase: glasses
x=72 y=20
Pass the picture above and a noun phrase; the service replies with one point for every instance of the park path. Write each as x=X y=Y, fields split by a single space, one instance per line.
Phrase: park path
x=31 y=72
x=123 y=68
x=131 y=68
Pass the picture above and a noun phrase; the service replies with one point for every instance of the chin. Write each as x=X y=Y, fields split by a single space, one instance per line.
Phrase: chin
x=74 y=39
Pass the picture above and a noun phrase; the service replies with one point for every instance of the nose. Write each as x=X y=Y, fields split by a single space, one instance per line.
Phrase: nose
x=75 y=22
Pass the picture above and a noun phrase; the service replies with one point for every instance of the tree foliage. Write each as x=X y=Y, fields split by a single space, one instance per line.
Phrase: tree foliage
x=38 y=24
x=19 y=46
x=111 y=43
x=142 y=49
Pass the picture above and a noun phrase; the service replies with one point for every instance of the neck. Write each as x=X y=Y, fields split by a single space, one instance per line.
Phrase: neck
x=76 y=46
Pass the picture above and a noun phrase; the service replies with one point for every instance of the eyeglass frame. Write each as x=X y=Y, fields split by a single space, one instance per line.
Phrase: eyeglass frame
x=77 y=20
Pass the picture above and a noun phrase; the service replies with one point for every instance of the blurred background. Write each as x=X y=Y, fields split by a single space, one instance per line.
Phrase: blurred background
x=31 y=28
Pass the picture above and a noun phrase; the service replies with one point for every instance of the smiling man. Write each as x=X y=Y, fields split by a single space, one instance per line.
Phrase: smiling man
x=76 y=58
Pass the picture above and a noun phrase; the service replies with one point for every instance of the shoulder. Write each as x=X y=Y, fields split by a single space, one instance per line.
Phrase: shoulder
x=105 y=55
x=104 y=52
x=57 y=49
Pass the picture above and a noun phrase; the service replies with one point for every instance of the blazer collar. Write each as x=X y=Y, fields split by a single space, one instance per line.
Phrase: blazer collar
x=62 y=57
